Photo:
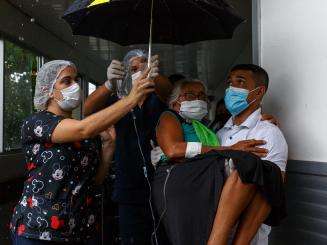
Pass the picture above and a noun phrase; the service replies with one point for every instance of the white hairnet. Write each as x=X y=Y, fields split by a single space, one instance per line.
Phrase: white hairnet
x=133 y=53
x=45 y=80
x=126 y=84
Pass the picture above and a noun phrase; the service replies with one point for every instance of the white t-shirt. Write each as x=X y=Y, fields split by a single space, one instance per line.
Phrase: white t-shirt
x=254 y=128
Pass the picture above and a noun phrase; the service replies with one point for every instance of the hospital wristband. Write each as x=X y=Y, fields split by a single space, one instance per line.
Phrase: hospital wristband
x=193 y=149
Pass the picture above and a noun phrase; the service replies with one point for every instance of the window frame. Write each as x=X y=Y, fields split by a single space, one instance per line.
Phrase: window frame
x=88 y=86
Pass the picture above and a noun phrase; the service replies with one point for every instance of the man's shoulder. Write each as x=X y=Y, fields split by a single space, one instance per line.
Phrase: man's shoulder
x=269 y=131
x=267 y=126
x=275 y=142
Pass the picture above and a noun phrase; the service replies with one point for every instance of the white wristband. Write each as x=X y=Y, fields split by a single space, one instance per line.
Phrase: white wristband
x=193 y=149
x=109 y=85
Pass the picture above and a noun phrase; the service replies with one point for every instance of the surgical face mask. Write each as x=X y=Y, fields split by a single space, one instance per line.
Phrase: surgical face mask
x=71 y=97
x=236 y=100
x=195 y=109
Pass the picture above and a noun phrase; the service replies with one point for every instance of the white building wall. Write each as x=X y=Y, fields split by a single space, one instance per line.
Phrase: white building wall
x=294 y=52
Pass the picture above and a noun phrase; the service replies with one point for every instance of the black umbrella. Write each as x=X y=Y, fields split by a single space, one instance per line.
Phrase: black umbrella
x=178 y=22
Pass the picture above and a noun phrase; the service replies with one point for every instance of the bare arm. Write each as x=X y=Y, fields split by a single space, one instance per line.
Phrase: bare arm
x=70 y=130
x=170 y=139
x=108 y=138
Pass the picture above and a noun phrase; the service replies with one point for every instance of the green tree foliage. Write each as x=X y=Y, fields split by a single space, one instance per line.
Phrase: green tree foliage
x=19 y=80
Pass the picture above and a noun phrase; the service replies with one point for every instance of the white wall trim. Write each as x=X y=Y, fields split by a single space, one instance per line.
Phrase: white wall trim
x=1 y=92
x=256 y=31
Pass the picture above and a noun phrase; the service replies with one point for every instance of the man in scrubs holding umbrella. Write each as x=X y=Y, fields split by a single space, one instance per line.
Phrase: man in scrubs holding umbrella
x=134 y=134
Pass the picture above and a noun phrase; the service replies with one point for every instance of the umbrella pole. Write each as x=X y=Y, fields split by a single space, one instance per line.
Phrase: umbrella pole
x=150 y=37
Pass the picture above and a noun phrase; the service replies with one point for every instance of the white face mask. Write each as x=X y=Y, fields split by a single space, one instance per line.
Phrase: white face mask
x=195 y=109
x=71 y=97
x=136 y=76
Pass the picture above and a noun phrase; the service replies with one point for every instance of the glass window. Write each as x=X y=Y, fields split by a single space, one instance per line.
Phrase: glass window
x=20 y=68
x=92 y=88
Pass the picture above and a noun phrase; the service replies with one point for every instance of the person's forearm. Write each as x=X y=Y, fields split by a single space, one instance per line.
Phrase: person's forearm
x=206 y=149
x=178 y=150
x=102 y=173
x=97 y=100
x=105 y=164
x=100 y=121
x=71 y=130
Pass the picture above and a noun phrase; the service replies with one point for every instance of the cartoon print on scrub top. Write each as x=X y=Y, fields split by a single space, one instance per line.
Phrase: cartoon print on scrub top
x=59 y=189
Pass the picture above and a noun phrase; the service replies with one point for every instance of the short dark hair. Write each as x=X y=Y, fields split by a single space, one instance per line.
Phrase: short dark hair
x=260 y=75
x=175 y=78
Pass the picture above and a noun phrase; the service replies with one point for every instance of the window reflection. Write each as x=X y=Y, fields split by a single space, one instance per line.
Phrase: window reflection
x=20 y=68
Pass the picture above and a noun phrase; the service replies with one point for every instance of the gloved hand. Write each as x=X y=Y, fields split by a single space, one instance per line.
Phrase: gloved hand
x=156 y=154
x=154 y=67
x=115 y=71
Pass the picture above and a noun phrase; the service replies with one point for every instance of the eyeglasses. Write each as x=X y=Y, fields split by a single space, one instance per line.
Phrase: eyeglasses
x=192 y=96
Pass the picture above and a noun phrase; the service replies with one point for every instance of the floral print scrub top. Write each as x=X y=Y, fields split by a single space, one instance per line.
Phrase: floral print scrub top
x=59 y=201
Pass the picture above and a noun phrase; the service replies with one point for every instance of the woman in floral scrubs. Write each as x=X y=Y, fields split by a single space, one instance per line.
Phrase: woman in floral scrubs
x=65 y=159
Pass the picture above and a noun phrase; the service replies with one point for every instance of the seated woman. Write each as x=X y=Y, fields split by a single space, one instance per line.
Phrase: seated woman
x=187 y=192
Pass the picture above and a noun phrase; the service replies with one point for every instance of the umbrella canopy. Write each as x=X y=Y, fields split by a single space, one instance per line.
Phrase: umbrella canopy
x=127 y=22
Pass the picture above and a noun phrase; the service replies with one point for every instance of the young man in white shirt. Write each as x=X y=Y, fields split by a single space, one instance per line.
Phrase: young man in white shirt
x=247 y=86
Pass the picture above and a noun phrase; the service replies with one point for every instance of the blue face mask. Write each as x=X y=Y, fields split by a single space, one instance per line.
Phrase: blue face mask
x=235 y=99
